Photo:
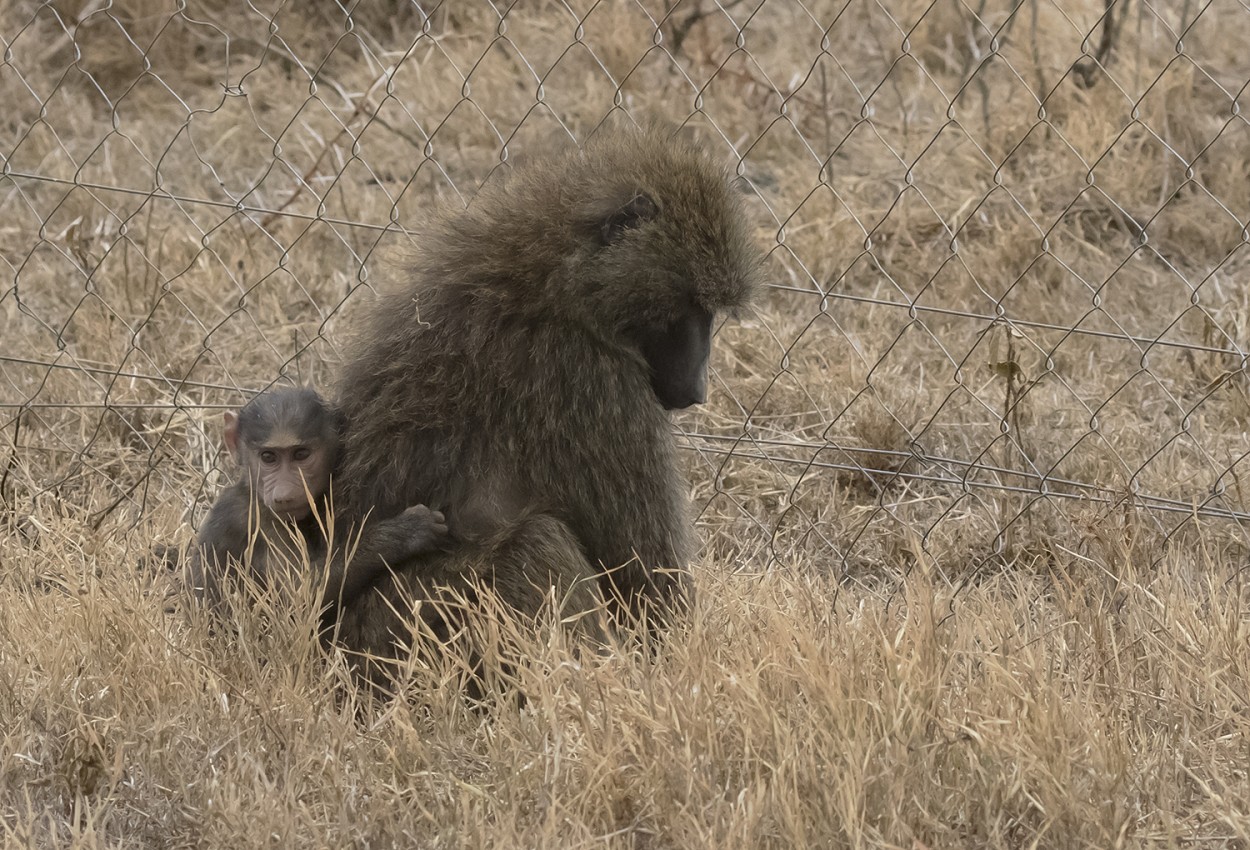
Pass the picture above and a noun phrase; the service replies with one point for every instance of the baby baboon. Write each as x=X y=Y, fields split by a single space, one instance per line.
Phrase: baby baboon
x=524 y=375
x=286 y=442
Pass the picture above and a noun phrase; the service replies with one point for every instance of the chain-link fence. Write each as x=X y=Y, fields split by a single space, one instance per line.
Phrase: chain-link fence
x=1007 y=244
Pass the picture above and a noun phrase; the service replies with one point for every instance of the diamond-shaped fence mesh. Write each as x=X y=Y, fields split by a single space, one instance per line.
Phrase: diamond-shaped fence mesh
x=1009 y=288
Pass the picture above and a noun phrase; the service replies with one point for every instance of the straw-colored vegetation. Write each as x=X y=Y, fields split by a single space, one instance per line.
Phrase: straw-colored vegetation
x=994 y=276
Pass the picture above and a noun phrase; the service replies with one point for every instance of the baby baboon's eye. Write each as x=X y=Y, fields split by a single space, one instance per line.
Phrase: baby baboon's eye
x=640 y=209
x=302 y=453
x=269 y=457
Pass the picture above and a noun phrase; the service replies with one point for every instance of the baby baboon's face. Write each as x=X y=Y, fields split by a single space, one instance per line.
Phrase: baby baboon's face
x=286 y=441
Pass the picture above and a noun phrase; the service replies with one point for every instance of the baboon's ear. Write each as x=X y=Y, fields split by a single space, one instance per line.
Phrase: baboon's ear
x=637 y=210
x=231 y=420
x=339 y=424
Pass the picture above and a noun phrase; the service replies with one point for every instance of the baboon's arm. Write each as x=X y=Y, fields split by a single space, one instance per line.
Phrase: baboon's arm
x=383 y=545
x=223 y=541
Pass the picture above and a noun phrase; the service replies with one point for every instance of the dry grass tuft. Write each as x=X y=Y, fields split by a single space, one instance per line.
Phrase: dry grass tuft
x=1089 y=704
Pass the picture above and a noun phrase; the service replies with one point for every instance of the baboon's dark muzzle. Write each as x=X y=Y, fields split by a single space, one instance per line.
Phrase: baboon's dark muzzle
x=678 y=355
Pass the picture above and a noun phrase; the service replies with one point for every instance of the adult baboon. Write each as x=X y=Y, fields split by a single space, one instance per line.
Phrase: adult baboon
x=286 y=442
x=521 y=379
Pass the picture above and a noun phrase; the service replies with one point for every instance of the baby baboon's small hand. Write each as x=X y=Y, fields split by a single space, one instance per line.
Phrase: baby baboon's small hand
x=426 y=529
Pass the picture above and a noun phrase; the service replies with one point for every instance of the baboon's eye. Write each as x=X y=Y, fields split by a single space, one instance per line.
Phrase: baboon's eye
x=640 y=209
x=269 y=457
x=302 y=453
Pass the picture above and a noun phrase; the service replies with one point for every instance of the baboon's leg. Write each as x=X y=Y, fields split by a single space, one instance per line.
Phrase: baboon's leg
x=536 y=568
x=539 y=561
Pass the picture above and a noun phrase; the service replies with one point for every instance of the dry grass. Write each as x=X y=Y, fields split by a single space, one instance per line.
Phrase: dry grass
x=899 y=642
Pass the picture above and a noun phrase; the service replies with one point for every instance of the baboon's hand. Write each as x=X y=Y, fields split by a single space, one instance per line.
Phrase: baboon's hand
x=425 y=529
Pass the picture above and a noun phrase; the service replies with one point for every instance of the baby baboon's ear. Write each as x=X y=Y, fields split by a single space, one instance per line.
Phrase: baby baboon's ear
x=340 y=421
x=231 y=433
